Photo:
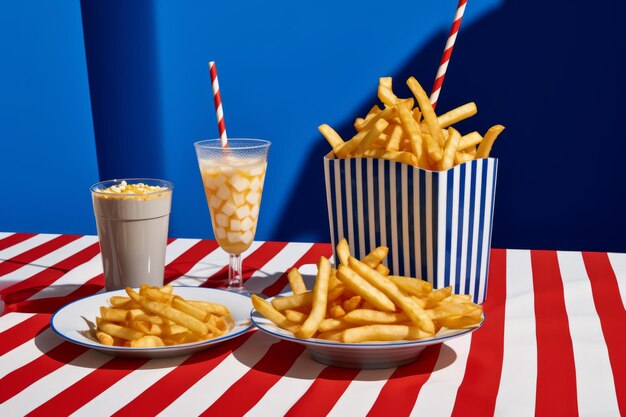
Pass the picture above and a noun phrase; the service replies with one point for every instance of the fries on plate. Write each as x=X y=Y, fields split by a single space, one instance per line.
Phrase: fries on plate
x=365 y=304
x=155 y=316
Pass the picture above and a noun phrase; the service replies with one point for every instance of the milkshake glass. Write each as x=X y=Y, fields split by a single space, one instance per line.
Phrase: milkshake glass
x=233 y=179
x=132 y=217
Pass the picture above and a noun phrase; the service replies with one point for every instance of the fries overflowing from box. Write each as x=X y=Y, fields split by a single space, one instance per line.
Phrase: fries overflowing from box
x=411 y=181
x=360 y=302
x=155 y=317
x=414 y=135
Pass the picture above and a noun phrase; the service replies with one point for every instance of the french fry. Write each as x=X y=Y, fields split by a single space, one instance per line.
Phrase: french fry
x=419 y=301
x=376 y=256
x=484 y=149
x=180 y=338
x=444 y=310
x=382 y=269
x=154 y=294
x=406 y=303
x=116 y=330
x=372 y=135
x=460 y=322
x=386 y=95
x=336 y=311
x=333 y=138
x=433 y=150
x=228 y=321
x=142 y=326
x=412 y=130
x=333 y=335
x=407 y=103
x=332 y=324
x=124 y=303
x=343 y=251
x=427 y=110
x=375 y=333
x=168 y=289
x=193 y=324
x=404 y=157
x=449 y=151
x=435 y=296
x=385 y=82
x=344 y=150
x=380 y=142
x=174 y=329
x=336 y=292
x=363 y=317
x=469 y=141
x=395 y=136
x=458 y=114
x=351 y=303
x=113 y=314
x=295 y=281
x=369 y=122
x=333 y=281
x=414 y=286
x=135 y=313
x=293 y=301
x=118 y=300
x=147 y=341
x=295 y=316
x=366 y=290
x=461 y=157
x=209 y=307
x=457 y=298
x=320 y=298
x=105 y=338
x=182 y=305
x=360 y=123
x=275 y=316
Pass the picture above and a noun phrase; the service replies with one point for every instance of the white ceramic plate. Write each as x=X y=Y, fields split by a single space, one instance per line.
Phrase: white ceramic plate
x=359 y=355
x=71 y=322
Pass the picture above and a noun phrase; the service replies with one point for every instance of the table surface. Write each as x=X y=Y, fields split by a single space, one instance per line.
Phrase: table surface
x=552 y=343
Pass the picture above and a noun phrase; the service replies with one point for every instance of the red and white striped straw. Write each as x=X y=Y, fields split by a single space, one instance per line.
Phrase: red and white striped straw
x=447 y=52
x=217 y=99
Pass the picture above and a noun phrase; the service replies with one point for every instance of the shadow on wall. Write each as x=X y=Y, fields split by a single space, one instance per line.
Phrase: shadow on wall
x=553 y=80
x=126 y=60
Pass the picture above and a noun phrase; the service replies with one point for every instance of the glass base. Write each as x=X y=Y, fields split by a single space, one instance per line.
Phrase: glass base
x=238 y=290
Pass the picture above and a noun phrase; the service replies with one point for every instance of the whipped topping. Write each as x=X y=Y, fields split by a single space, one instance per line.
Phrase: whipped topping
x=138 y=188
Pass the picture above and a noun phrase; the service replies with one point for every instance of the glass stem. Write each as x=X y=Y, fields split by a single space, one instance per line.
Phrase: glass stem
x=235 y=279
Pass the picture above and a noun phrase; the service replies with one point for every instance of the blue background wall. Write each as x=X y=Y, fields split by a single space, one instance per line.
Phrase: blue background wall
x=47 y=150
x=546 y=70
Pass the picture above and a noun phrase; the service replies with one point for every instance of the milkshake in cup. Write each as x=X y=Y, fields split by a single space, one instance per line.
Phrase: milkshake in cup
x=233 y=190
x=233 y=179
x=132 y=217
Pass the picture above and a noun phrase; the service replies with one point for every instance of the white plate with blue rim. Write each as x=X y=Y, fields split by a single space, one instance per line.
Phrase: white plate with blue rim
x=74 y=322
x=373 y=355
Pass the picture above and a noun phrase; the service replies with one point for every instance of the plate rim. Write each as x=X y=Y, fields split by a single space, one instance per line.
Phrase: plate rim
x=156 y=349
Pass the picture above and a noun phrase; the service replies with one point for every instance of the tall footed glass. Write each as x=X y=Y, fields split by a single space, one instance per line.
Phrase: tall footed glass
x=233 y=180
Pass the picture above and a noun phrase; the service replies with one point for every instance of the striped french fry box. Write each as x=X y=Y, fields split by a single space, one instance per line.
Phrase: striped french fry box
x=437 y=225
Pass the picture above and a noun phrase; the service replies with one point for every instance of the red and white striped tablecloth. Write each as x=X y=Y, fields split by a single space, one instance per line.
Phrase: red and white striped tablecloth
x=553 y=343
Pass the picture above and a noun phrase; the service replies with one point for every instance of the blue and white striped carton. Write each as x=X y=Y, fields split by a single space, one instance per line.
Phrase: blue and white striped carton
x=437 y=225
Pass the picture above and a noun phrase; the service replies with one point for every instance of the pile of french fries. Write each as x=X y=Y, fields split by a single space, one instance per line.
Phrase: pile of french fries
x=156 y=317
x=360 y=302
x=412 y=135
